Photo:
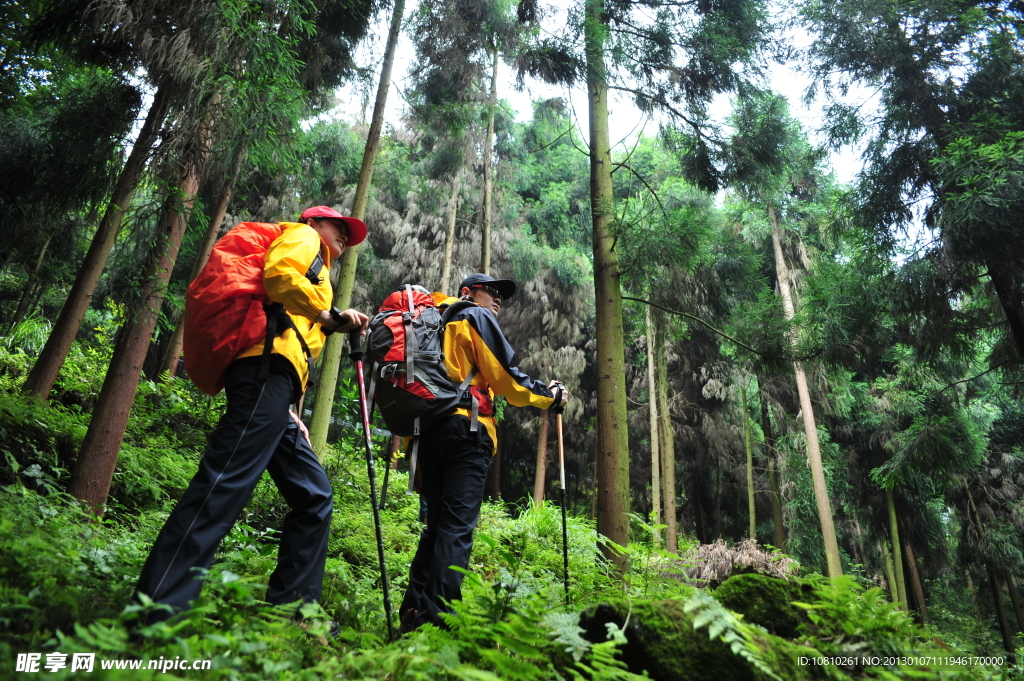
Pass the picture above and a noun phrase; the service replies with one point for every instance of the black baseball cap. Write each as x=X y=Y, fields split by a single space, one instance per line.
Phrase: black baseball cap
x=506 y=287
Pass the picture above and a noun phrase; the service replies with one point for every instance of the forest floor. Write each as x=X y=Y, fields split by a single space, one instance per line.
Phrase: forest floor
x=66 y=580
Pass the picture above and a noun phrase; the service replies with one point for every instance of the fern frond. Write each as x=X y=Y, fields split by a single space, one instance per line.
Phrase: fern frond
x=729 y=628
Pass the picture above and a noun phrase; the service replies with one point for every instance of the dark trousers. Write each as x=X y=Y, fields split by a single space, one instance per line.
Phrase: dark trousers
x=453 y=462
x=255 y=434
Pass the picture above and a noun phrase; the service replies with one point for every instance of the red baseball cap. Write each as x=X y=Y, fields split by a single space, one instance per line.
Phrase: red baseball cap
x=356 y=227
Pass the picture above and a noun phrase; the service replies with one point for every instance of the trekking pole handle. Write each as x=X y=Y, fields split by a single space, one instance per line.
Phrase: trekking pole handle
x=355 y=345
x=560 y=387
x=340 y=319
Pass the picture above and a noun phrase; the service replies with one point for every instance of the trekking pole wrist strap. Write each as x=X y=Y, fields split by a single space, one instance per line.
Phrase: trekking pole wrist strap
x=338 y=316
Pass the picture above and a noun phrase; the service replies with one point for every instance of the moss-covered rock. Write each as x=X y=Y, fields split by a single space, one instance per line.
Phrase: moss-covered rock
x=766 y=601
x=662 y=641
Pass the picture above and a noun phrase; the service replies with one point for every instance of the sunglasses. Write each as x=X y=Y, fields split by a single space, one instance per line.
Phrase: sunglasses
x=490 y=291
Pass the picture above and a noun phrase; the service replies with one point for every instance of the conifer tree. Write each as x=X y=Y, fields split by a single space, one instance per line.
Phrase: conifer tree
x=643 y=65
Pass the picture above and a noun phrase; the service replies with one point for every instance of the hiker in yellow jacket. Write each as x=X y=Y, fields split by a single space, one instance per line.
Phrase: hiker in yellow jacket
x=258 y=431
x=454 y=456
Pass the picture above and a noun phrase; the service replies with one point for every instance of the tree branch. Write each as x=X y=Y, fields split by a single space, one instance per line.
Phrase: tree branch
x=973 y=377
x=661 y=100
x=698 y=319
x=649 y=187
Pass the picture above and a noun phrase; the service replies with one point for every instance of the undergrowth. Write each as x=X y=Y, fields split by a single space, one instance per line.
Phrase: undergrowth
x=66 y=580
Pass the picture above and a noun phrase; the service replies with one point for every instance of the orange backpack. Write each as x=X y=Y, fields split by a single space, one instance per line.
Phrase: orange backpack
x=224 y=306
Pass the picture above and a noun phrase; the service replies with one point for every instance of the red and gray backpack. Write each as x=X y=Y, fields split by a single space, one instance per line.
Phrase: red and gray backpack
x=406 y=339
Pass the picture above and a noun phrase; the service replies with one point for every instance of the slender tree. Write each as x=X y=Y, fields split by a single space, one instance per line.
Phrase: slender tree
x=44 y=372
x=655 y=427
x=94 y=468
x=331 y=361
x=542 y=458
x=169 y=362
x=667 y=444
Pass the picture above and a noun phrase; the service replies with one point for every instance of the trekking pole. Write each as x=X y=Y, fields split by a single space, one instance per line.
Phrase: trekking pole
x=356 y=353
x=561 y=479
x=387 y=472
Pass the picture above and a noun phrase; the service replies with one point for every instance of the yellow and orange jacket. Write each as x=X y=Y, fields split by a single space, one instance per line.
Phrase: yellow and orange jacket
x=284 y=277
x=472 y=338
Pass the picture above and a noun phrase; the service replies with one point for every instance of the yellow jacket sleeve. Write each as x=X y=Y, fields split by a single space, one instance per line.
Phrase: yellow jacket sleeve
x=284 y=271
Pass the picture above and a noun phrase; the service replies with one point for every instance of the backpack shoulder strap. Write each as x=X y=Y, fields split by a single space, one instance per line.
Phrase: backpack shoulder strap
x=313 y=273
x=450 y=310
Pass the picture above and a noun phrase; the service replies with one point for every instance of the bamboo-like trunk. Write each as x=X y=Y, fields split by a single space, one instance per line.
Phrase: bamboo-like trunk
x=773 y=476
x=612 y=438
x=974 y=598
x=94 y=468
x=890 y=571
x=169 y=363
x=702 y=530
x=828 y=530
x=542 y=458
x=25 y=304
x=1011 y=586
x=915 y=580
x=897 y=552
x=652 y=408
x=1004 y=622
x=993 y=580
x=750 y=464
x=1008 y=289
x=667 y=443
x=485 y=231
x=331 y=362
x=44 y=373
x=449 y=242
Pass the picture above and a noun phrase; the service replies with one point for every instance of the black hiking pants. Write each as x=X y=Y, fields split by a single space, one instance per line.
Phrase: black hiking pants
x=255 y=434
x=453 y=463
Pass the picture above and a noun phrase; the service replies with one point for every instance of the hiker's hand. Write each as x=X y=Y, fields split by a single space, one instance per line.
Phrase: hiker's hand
x=300 y=424
x=352 y=319
x=557 y=388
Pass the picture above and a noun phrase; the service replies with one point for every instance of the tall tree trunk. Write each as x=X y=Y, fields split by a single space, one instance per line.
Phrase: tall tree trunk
x=897 y=552
x=667 y=443
x=652 y=408
x=612 y=438
x=24 y=304
x=485 y=232
x=1004 y=623
x=890 y=571
x=751 y=511
x=331 y=362
x=974 y=598
x=44 y=373
x=1008 y=288
x=828 y=530
x=702 y=531
x=773 y=475
x=993 y=580
x=94 y=469
x=169 y=363
x=1011 y=586
x=542 y=458
x=915 y=580
x=449 y=242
